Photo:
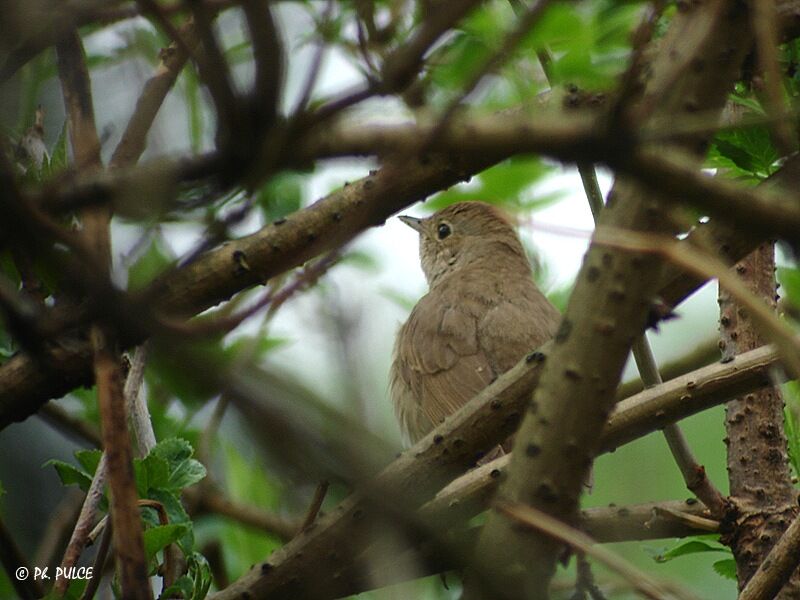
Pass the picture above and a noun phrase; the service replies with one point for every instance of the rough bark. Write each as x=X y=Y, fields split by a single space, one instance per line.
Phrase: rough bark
x=560 y=432
x=758 y=470
x=304 y=567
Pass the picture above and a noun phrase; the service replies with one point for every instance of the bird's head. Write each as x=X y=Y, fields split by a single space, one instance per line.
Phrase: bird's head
x=460 y=235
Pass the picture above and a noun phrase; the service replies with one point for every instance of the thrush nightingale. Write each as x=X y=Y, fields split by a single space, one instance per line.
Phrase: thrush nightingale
x=482 y=313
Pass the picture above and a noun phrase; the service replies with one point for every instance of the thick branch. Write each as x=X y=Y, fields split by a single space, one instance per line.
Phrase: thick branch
x=302 y=566
x=560 y=433
x=760 y=479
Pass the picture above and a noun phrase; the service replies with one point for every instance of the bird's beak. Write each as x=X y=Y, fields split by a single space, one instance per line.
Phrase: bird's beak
x=413 y=222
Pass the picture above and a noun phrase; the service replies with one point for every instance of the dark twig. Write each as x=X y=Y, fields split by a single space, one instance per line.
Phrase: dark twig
x=585 y=584
x=525 y=22
x=694 y=475
x=639 y=580
x=403 y=64
x=316 y=62
x=152 y=96
x=631 y=83
x=99 y=563
x=209 y=59
x=315 y=506
x=128 y=540
x=208 y=499
x=306 y=278
x=59 y=526
x=765 y=30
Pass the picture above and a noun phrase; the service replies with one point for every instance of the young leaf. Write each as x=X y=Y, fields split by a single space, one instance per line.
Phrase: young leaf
x=89 y=459
x=183 y=469
x=726 y=567
x=70 y=474
x=152 y=262
x=692 y=545
x=157 y=538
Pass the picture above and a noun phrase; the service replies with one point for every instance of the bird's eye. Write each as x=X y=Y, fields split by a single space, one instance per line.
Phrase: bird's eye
x=443 y=230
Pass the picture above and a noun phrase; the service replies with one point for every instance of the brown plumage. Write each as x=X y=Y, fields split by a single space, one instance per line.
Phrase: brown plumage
x=482 y=313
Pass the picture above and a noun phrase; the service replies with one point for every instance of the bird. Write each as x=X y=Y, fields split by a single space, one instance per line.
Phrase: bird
x=481 y=315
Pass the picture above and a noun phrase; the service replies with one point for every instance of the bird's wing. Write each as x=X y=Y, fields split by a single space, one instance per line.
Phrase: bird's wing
x=439 y=364
x=508 y=330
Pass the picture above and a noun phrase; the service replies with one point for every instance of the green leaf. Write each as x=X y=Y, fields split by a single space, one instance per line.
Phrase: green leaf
x=726 y=567
x=89 y=459
x=151 y=472
x=151 y=263
x=247 y=479
x=74 y=591
x=7 y=346
x=195 y=107
x=200 y=572
x=176 y=513
x=59 y=158
x=183 y=469
x=182 y=588
x=453 y=63
x=157 y=538
x=253 y=347
x=360 y=260
x=168 y=371
x=555 y=27
x=791 y=394
x=157 y=469
x=70 y=474
x=505 y=184
x=692 y=545
x=789 y=278
x=748 y=148
x=280 y=196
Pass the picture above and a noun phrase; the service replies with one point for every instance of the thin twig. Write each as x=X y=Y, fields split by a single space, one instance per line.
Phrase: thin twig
x=315 y=506
x=700 y=263
x=584 y=583
x=136 y=404
x=630 y=84
x=687 y=519
x=765 y=30
x=207 y=498
x=524 y=24
x=84 y=525
x=59 y=527
x=209 y=59
x=128 y=539
x=694 y=475
x=639 y=580
x=316 y=62
x=152 y=96
x=99 y=564
x=305 y=278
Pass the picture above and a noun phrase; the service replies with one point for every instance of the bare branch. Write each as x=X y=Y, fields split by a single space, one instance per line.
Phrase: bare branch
x=639 y=580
